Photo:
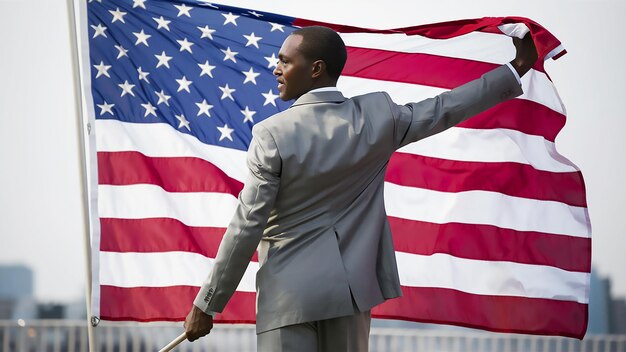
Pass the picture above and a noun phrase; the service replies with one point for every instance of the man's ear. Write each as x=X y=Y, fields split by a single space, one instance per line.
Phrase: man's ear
x=318 y=68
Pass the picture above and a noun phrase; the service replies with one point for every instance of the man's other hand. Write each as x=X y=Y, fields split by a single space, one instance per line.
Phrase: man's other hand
x=525 y=54
x=197 y=324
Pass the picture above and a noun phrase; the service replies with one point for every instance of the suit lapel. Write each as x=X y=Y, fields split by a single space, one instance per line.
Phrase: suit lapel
x=320 y=97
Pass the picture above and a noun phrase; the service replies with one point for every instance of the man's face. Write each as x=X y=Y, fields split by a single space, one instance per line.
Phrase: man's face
x=293 y=71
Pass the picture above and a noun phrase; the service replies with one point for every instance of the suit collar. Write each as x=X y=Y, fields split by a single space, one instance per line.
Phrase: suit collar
x=320 y=97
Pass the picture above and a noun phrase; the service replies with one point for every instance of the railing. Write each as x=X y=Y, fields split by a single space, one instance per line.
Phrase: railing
x=70 y=336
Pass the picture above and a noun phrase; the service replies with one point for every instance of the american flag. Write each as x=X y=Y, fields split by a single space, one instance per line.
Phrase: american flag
x=489 y=221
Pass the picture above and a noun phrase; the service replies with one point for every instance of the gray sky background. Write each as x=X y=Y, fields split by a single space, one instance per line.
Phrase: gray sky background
x=40 y=222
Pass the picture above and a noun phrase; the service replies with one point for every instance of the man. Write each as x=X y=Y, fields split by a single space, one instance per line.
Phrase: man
x=314 y=198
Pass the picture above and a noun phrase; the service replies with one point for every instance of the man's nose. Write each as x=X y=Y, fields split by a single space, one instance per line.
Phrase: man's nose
x=276 y=71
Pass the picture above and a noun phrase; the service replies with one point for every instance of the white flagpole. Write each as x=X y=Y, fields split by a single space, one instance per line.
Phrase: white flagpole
x=170 y=346
x=76 y=87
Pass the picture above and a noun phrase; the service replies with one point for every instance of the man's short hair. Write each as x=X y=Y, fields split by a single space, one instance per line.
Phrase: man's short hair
x=322 y=43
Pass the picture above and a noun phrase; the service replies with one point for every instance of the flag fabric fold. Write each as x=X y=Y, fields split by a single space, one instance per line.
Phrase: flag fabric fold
x=489 y=221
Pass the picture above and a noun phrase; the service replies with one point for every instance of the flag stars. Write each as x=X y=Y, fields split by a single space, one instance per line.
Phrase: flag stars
x=226 y=132
x=277 y=27
x=142 y=38
x=103 y=70
x=250 y=76
x=106 y=108
x=143 y=75
x=248 y=114
x=183 y=122
x=139 y=3
x=117 y=15
x=230 y=18
x=272 y=61
x=204 y=108
x=252 y=40
x=229 y=55
x=163 y=60
x=185 y=45
x=206 y=32
x=163 y=98
x=227 y=92
x=270 y=98
x=99 y=31
x=255 y=14
x=206 y=69
x=183 y=84
x=121 y=51
x=150 y=109
x=162 y=23
x=183 y=10
x=127 y=88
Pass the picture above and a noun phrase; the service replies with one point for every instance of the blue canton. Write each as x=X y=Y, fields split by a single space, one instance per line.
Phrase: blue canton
x=204 y=69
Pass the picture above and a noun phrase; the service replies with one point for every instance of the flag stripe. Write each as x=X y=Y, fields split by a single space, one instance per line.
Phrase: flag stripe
x=173 y=174
x=149 y=201
x=486 y=208
x=495 y=313
x=473 y=276
x=482 y=242
x=513 y=179
x=476 y=46
x=463 y=144
x=159 y=235
x=543 y=92
x=156 y=304
x=118 y=136
x=128 y=269
x=522 y=115
x=485 y=242
x=479 y=207
x=493 y=145
x=187 y=174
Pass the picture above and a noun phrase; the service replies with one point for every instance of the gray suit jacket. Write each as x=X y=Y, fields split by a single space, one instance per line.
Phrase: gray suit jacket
x=314 y=201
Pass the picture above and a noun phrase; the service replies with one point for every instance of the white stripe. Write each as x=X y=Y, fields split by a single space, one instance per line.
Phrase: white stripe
x=488 y=208
x=142 y=201
x=492 y=145
x=438 y=270
x=541 y=90
x=163 y=269
x=518 y=30
x=472 y=207
x=161 y=140
x=491 y=277
x=478 y=46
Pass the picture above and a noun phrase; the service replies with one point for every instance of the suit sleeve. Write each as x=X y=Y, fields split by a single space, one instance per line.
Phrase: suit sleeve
x=415 y=121
x=244 y=232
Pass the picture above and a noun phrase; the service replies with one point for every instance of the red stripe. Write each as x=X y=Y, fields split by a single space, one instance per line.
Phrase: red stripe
x=431 y=305
x=518 y=180
x=485 y=242
x=170 y=303
x=426 y=69
x=180 y=174
x=494 y=313
x=521 y=115
x=194 y=175
x=159 y=235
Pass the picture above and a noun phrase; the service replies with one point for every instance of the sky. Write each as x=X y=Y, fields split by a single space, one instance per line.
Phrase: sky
x=41 y=223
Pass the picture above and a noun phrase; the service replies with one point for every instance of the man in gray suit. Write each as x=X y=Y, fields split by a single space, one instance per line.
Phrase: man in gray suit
x=313 y=200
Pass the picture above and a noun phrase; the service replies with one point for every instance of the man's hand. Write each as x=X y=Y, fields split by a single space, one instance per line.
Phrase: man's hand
x=526 y=54
x=197 y=324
